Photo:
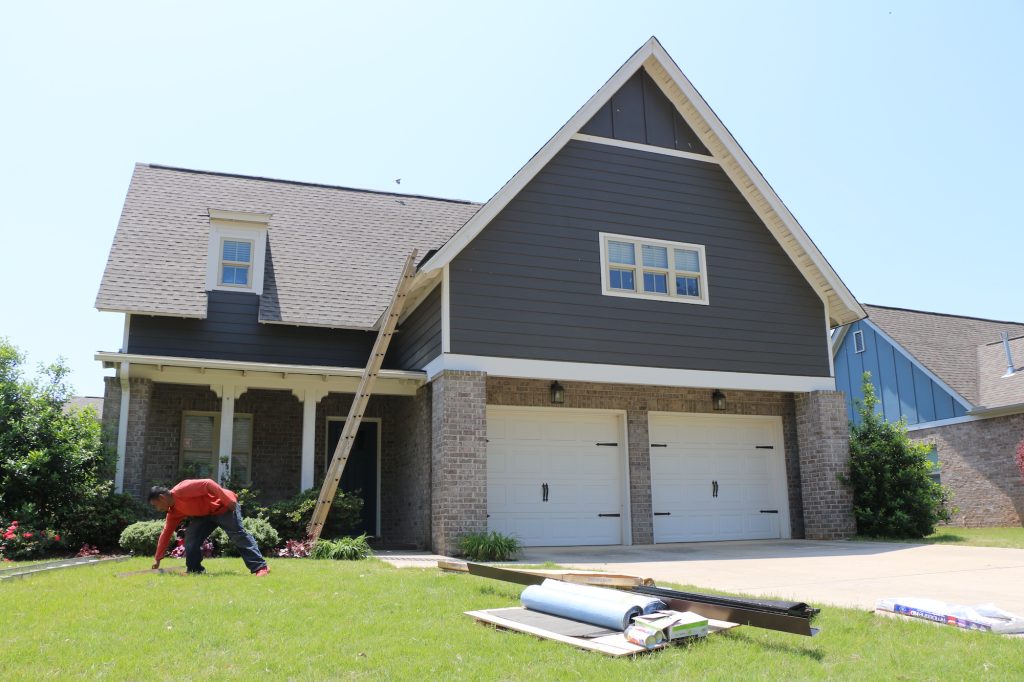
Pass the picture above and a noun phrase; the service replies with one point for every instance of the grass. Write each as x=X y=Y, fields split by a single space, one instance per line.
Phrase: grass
x=313 y=620
x=1012 y=537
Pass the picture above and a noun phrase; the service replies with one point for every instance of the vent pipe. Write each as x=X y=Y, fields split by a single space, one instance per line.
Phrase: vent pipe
x=1010 y=371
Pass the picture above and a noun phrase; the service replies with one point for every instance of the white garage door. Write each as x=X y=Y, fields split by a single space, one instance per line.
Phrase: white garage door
x=554 y=476
x=718 y=477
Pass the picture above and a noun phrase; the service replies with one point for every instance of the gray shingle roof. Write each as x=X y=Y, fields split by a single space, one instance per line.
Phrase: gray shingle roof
x=997 y=389
x=334 y=254
x=948 y=345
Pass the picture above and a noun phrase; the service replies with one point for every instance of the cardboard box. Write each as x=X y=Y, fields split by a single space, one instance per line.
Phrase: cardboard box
x=675 y=624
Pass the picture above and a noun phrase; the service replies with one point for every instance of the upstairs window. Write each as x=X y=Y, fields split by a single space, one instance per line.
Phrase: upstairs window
x=235 y=263
x=653 y=268
x=858 y=342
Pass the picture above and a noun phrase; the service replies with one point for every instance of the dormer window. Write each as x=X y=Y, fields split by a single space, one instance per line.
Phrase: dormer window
x=237 y=251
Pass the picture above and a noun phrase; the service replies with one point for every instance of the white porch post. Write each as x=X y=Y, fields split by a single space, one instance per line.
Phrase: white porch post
x=227 y=393
x=309 y=397
x=122 y=428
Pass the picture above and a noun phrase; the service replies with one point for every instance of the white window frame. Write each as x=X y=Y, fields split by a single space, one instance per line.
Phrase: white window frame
x=236 y=263
x=858 y=342
x=241 y=227
x=639 y=268
x=215 y=455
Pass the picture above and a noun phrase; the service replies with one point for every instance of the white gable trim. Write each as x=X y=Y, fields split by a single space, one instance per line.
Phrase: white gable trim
x=644 y=147
x=843 y=307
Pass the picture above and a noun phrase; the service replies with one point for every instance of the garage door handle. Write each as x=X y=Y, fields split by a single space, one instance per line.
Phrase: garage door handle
x=611 y=445
x=544 y=492
x=764 y=447
x=769 y=511
x=616 y=515
x=714 y=488
x=663 y=513
x=659 y=445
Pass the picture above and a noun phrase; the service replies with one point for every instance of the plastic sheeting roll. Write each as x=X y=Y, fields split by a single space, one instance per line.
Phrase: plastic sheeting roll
x=614 y=614
x=646 y=603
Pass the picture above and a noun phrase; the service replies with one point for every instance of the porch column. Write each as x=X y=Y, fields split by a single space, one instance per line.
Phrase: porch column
x=823 y=439
x=122 y=427
x=309 y=397
x=228 y=394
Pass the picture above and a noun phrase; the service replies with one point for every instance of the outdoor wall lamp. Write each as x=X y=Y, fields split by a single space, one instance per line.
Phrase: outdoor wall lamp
x=557 y=393
x=718 y=400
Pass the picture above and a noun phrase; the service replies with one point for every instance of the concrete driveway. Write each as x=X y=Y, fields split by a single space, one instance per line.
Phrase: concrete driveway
x=852 y=574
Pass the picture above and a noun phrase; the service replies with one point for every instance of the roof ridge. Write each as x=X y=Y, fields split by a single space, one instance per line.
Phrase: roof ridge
x=927 y=312
x=307 y=184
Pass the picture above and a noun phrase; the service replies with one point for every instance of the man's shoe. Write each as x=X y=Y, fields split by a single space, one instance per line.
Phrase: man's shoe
x=262 y=572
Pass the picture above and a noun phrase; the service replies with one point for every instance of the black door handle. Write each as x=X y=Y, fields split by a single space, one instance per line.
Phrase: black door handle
x=659 y=445
x=616 y=515
x=610 y=445
x=663 y=513
x=769 y=511
x=544 y=492
x=714 y=488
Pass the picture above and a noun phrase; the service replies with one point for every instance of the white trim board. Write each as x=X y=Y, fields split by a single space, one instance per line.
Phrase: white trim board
x=843 y=307
x=611 y=142
x=624 y=374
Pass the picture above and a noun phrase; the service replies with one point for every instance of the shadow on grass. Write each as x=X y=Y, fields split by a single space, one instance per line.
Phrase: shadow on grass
x=777 y=646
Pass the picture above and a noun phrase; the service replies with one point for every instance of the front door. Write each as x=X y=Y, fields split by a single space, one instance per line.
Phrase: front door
x=361 y=469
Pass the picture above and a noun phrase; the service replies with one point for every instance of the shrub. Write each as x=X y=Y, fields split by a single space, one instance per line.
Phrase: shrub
x=893 y=496
x=141 y=537
x=19 y=542
x=343 y=549
x=52 y=462
x=102 y=519
x=492 y=546
x=290 y=517
x=266 y=537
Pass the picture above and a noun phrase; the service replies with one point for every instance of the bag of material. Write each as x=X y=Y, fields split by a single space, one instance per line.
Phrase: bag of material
x=647 y=604
x=985 y=617
x=612 y=614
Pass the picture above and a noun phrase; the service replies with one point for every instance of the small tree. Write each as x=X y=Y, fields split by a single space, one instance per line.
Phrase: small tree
x=1020 y=458
x=893 y=495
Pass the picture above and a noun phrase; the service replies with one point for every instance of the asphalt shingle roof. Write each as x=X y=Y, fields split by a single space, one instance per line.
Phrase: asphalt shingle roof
x=334 y=254
x=948 y=345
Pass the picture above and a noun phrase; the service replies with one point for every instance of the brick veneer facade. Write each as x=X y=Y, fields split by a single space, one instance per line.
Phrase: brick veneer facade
x=823 y=439
x=976 y=461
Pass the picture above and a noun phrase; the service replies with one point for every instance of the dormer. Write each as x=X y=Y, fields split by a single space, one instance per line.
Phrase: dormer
x=237 y=251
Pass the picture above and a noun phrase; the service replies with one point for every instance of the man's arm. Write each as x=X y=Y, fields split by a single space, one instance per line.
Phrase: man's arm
x=170 y=525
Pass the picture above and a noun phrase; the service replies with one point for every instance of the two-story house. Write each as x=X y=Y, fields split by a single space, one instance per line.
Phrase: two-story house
x=629 y=343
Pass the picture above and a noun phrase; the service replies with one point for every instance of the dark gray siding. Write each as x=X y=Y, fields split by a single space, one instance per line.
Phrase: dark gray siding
x=231 y=331
x=640 y=112
x=418 y=340
x=529 y=286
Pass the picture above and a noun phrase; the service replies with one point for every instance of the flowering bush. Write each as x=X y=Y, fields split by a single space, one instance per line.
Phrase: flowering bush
x=178 y=551
x=295 y=549
x=86 y=551
x=22 y=542
x=1020 y=458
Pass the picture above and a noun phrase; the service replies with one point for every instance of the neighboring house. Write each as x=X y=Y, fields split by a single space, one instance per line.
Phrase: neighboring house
x=953 y=378
x=629 y=343
x=81 y=402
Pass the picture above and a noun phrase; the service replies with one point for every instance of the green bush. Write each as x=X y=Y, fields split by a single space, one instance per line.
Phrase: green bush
x=290 y=517
x=266 y=537
x=893 y=496
x=492 y=546
x=342 y=549
x=52 y=463
x=142 y=537
x=102 y=519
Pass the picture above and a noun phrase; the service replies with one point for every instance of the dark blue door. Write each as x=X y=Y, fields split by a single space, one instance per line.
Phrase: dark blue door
x=361 y=470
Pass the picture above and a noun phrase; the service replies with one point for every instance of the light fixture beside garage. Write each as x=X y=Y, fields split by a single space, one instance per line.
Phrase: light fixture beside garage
x=557 y=393
x=718 y=401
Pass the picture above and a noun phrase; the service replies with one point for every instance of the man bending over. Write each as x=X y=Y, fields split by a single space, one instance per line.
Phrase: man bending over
x=207 y=505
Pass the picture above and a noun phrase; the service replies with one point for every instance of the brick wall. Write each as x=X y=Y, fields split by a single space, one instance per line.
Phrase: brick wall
x=140 y=391
x=977 y=463
x=405 y=470
x=824 y=444
x=459 y=457
x=637 y=401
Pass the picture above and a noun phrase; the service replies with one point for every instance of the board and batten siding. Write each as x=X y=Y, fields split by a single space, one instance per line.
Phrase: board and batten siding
x=529 y=285
x=232 y=331
x=902 y=388
x=418 y=340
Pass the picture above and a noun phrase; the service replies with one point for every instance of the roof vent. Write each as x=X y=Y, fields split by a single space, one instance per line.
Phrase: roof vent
x=1010 y=371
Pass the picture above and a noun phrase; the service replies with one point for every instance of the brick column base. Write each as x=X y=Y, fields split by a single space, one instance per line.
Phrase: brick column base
x=823 y=437
x=458 y=502
x=141 y=390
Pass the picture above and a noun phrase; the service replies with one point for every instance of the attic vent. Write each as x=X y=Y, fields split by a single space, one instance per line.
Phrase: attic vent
x=858 y=341
x=1010 y=371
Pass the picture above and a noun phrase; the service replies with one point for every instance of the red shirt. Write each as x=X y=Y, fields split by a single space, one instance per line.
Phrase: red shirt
x=194 y=497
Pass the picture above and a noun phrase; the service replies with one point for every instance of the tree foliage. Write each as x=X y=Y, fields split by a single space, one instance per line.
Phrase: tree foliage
x=893 y=495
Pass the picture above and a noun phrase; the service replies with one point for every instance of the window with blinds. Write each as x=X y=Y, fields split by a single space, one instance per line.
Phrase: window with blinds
x=200 y=446
x=653 y=268
x=235 y=262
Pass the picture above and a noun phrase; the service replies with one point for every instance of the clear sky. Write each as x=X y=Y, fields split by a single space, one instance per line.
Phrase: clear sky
x=892 y=130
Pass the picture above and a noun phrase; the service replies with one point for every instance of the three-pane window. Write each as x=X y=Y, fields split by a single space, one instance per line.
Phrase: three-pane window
x=235 y=262
x=646 y=268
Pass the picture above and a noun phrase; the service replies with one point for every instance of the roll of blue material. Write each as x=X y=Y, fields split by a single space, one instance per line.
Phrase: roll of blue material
x=646 y=603
x=615 y=615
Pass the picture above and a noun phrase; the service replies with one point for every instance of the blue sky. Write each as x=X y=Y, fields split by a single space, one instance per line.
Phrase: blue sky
x=891 y=130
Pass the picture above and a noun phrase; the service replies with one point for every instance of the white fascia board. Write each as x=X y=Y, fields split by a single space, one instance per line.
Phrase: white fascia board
x=624 y=374
x=151 y=313
x=500 y=200
x=916 y=363
x=352 y=328
x=979 y=414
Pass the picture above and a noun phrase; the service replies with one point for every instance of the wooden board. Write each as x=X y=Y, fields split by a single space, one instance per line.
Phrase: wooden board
x=611 y=645
x=154 y=571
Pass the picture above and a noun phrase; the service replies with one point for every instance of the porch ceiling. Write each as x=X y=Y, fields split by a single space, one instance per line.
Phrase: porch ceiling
x=246 y=375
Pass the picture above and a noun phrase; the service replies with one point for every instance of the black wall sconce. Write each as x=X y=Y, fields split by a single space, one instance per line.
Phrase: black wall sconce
x=557 y=393
x=718 y=400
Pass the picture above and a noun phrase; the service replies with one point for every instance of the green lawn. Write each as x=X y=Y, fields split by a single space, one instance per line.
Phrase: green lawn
x=311 y=620
x=1012 y=536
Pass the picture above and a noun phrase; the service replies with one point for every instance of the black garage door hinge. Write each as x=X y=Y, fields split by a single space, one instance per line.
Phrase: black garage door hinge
x=765 y=447
x=659 y=445
x=769 y=511
x=663 y=513
x=613 y=445
x=608 y=515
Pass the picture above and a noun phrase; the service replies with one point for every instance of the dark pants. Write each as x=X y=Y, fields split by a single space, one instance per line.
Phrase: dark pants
x=200 y=527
